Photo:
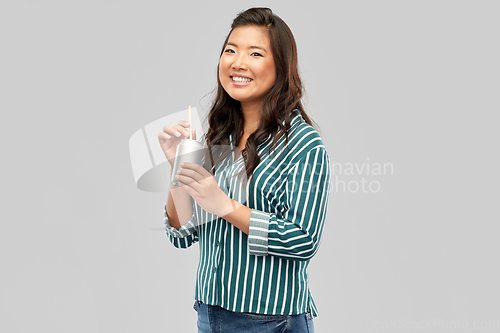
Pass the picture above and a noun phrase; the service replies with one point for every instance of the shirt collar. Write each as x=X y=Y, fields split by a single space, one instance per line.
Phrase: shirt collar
x=294 y=114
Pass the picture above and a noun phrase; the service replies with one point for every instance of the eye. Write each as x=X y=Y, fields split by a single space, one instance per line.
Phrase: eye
x=229 y=51
x=258 y=54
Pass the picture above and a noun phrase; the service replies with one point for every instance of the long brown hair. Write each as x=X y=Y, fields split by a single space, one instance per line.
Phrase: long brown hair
x=225 y=116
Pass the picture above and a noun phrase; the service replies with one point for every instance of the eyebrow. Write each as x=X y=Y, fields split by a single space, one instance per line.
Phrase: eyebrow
x=250 y=47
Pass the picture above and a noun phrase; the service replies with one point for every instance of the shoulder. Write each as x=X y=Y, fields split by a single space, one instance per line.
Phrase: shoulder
x=302 y=139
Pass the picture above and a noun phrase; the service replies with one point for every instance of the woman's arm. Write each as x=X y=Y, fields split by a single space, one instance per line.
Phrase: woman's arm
x=203 y=188
x=179 y=206
x=296 y=234
x=239 y=215
x=179 y=219
x=180 y=222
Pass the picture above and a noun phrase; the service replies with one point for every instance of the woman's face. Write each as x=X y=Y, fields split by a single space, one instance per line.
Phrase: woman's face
x=246 y=67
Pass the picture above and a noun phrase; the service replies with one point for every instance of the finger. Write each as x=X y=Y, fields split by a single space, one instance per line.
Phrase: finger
x=163 y=136
x=171 y=131
x=184 y=123
x=185 y=179
x=196 y=167
x=190 y=187
x=180 y=129
x=193 y=174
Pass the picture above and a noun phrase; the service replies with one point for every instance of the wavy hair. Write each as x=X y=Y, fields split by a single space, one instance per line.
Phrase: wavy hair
x=225 y=116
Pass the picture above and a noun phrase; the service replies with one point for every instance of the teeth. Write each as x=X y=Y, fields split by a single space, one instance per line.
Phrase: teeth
x=241 y=79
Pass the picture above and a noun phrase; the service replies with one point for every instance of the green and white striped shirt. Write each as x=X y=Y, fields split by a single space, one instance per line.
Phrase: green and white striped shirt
x=264 y=272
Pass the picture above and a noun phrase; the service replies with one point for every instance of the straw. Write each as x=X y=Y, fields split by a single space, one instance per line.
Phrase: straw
x=190 y=131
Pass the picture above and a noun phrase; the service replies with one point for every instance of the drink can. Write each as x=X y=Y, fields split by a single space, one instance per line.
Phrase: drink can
x=188 y=150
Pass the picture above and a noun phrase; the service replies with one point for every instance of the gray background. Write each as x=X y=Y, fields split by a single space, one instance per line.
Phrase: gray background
x=412 y=83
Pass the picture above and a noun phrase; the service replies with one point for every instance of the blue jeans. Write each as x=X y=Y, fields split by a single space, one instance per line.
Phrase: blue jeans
x=214 y=319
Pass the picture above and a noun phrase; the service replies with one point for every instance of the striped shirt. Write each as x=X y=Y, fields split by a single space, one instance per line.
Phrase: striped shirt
x=264 y=272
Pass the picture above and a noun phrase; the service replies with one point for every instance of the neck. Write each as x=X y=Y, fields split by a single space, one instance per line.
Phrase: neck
x=251 y=117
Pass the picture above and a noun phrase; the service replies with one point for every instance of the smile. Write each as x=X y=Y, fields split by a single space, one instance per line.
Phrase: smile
x=240 y=81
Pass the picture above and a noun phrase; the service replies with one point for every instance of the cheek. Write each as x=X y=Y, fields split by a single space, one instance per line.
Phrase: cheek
x=271 y=73
x=224 y=63
x=223 y=69
x=221 y=74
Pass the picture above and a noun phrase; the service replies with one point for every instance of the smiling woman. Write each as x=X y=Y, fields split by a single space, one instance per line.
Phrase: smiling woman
x=256 y=237
x=246 y=70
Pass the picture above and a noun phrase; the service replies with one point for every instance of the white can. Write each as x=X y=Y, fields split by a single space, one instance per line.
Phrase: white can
x=188 y=150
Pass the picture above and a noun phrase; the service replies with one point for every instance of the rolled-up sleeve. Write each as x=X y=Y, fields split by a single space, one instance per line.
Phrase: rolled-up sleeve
x=297 y=235
x=186 y=235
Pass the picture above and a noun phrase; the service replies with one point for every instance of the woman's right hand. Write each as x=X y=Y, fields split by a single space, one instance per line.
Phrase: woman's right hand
x=171 y=136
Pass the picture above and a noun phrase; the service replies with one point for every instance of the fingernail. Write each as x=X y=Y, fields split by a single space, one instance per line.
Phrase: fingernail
x=177 y=177
x=178 y=133
x=182 y=164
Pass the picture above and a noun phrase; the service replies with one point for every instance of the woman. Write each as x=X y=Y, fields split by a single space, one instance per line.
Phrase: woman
x=257 y=237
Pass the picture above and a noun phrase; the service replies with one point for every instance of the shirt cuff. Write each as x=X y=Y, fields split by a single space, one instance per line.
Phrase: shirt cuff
x=185 y=230
x=258 y=231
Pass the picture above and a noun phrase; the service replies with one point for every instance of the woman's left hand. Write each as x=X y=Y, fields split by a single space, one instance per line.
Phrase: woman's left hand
x=202 y=187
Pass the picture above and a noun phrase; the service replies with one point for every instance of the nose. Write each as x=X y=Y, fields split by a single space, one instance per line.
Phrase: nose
x=239 y=62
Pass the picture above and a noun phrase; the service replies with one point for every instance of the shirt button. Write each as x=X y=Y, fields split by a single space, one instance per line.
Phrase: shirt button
x=217 y=243
x=213 y=269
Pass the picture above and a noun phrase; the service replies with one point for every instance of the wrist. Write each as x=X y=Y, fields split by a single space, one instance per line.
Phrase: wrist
x=227 y=206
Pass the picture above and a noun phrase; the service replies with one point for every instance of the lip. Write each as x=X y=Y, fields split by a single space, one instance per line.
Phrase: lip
x=239 y=84
x=239 y=75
